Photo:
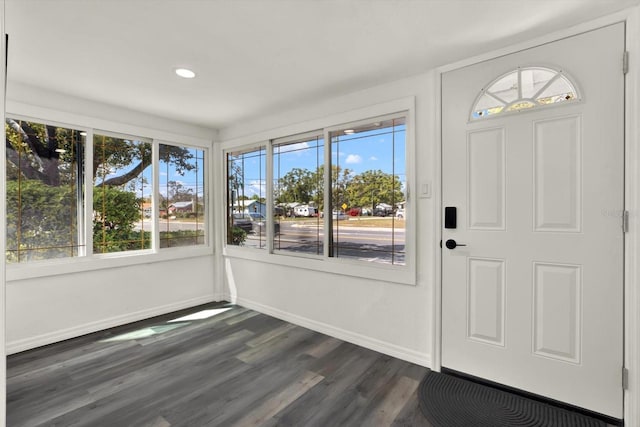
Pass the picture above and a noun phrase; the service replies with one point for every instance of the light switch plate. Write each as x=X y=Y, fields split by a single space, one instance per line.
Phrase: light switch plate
x=425 y=190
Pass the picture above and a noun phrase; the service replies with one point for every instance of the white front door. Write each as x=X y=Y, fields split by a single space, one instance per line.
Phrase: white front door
x=534 y=300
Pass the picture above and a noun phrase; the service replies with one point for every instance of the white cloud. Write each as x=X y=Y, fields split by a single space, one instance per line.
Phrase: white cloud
x=352 y=159
x=373 y=158
x=257 y=188
x=292 y=147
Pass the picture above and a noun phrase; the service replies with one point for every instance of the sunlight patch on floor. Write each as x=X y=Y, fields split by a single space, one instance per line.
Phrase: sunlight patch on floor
x=204 y=314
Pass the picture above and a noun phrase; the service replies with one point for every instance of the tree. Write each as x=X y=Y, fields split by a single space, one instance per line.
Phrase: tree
x=177 y=192
x=41 y=221
x=297 y=185
x=373 y=187
x=113 y=223
x=45 y=166
x=340 y=179
x=38 y=151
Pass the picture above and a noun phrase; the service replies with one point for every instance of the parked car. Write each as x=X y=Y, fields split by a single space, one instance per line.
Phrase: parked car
x=243 y=221
x=305 y=211
x=400 y=214
x=258 y=222
x=253 y=223
x=339 y=215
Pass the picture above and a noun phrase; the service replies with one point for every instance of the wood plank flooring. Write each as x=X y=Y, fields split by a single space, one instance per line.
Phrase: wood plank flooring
x=234 y=368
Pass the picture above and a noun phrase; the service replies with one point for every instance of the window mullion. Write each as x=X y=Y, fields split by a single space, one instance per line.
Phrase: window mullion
x=88 y=191
x=327 y=209
x=155 y=192
x=269 y=197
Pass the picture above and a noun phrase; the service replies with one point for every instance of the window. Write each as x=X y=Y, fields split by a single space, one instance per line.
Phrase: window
x=246 y=198
x=298 y=194
x=122 y=182
x=47 y=189
x=523 y=89
x=345 y=199
x=44 y=191
x=181 y=207
x=368 y=181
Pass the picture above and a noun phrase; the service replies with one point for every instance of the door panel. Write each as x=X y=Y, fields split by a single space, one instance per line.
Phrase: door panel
x=534 y=301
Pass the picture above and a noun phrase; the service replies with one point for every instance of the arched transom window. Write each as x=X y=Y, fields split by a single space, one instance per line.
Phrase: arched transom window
x=524 y=89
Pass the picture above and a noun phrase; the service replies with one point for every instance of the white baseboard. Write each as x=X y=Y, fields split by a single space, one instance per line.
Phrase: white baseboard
x=99 y=325
x=374 y=344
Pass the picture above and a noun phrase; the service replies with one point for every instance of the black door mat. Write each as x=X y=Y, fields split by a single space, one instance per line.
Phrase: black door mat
x=447 y=401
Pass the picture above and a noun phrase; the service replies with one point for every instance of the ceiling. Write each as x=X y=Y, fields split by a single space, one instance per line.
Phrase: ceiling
x=254 y=57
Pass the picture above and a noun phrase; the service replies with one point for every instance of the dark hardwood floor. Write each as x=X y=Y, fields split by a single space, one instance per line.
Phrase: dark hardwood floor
x=235 y=368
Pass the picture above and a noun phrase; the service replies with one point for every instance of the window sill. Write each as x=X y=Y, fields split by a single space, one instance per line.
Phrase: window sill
x=15 y=272
x=404 y=275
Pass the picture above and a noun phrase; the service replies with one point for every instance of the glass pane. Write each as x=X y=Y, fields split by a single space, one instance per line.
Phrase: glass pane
x=534 y=79
x=560 y=90
x=44 y=196
x=122 y=191
x=521 y=105
x=246 y=198
x=506 y=88
x=182 y=207
x=298 y=195
x=368 y=183
x=486 y=106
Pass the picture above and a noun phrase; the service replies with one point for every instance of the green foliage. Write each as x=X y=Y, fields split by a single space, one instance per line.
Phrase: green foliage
x=368 y=188
x=372 y=187
x=237 y=236
x=171 y=239
x=115 y=212
x=297 y=185
x=41 y=221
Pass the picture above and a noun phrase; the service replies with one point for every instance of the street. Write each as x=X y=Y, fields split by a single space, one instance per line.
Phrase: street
x=364 y=243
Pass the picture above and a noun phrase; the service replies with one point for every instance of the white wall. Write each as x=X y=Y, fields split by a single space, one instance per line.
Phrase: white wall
x=44 y=310
x=49 y=302
x=389 y=317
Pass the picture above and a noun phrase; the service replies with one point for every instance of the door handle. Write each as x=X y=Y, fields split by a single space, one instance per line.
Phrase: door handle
x=452 y=244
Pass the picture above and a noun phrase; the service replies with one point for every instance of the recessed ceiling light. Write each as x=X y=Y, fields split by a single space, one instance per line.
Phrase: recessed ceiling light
x=83 y=133
x=60 y=150
x=349 y=131
x=185 y=73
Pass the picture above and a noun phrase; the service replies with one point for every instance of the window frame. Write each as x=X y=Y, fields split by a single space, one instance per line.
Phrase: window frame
x=400 y=274
x=87 y=260
x=81 y=225
x=560 y=74
x=89 y=191
x=327 y=173
x=155 y=217
x=270 y=200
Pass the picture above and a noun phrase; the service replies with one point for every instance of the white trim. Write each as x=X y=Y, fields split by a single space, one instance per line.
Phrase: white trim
x=374 y=344
x=632 y=193
x=632 y=239
x=77 y=331
x=57 y=267
x=340 y=266
x=436 y=291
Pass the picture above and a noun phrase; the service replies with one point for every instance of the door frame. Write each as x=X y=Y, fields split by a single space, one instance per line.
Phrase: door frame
x=631 y=18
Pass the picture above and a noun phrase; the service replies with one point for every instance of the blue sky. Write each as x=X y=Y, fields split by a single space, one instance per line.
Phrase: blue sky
x=371 y=150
